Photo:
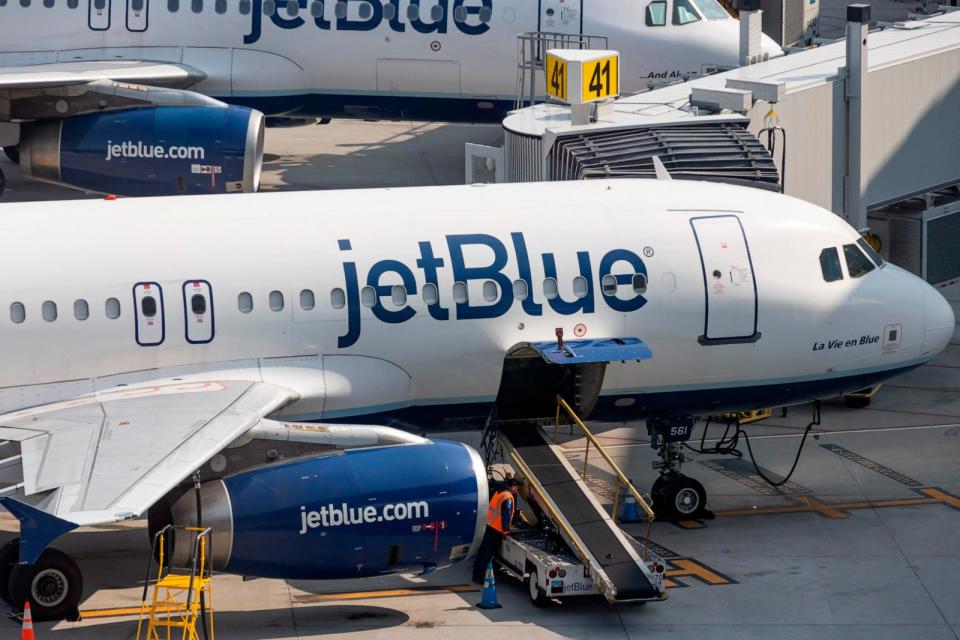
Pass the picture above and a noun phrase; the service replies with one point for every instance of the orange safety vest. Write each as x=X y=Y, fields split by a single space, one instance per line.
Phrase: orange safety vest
x=494 y=518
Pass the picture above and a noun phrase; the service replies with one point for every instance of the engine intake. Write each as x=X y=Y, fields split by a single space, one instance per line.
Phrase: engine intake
x=150 y=151
x=358 y=513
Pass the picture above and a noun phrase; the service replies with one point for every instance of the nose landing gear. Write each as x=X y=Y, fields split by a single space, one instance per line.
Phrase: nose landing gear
x=675 y=496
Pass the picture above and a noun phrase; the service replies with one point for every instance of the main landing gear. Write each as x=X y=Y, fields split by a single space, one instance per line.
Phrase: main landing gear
x=675 y=496
x=53 y=584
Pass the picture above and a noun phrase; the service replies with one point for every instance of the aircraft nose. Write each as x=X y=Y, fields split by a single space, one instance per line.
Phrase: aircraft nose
x=769 y=47
x=940 y=321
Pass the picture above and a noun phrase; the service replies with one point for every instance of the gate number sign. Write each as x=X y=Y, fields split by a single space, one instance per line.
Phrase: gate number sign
x=582 y=76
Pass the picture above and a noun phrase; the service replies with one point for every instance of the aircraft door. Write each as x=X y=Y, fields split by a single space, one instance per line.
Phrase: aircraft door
x=138 y=14
x=730 y=289
x=98 y=14
x=561 y=16
x=148 y=317
x=198 y=311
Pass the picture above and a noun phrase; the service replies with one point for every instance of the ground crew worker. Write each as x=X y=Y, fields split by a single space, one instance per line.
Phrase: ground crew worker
x=499 y=516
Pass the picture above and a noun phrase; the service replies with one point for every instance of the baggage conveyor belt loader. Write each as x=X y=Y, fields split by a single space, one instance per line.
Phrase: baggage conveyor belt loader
x=610 y=559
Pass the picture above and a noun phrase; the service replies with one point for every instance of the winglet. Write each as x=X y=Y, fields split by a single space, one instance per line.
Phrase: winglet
x=660 y=169
x=37 y=528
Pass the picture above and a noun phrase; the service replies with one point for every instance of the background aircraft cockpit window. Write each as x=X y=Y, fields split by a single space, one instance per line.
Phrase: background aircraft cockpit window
x=49 y=310
x=245 y=302
x=368 y=297
x=490 y=291
x=269 y=7
x=398 y=295
x=276 y=300
x=830 y=264
x=520 y=289
x=148 y=306
x=431 y=295
x=112 y=308
x=639 y=282
x=18 y=313
x=609 y=285
x=198 y=304
x=307 y=300
x=550 y=288
x=580 y=287
x=871 y=252
x=711 y=9
x=656 y=14
x=81 y=310
x=460 y=294
x=173 y=6
x=338 y=299
x=683 y=12
x=244 y=7
x=196 y=6
x=857 y=263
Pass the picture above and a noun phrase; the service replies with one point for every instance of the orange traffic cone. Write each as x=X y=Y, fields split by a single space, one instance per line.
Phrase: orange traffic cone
x=27 y=632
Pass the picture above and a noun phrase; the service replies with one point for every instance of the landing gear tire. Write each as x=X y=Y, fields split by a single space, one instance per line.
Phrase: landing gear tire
x=856 y=402
x=9 y=556
x=679 y=497
x=13 y=153
x=537 y=595
x=53 y=585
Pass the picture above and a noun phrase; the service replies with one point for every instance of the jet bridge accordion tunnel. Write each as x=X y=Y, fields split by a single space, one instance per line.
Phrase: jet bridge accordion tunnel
x=718 y=151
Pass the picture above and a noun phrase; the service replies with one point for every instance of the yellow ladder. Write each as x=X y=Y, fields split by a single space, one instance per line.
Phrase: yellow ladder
x=176 y=599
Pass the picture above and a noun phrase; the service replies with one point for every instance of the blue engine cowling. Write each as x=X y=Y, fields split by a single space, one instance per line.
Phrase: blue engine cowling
x=151 y=151
x=354 y=514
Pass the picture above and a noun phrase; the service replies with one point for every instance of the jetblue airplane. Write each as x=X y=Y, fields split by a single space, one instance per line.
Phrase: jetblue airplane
x=71 y=70
x=145 y=344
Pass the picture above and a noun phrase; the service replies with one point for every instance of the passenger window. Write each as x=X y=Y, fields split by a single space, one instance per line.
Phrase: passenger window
x=398 y=295
x=148 y=306
x=198 y=304
x=316 y=8
x=173 y=6
x=244 y=7
x=871 y=252
x=460 y=292
x=368 y=296
x=136 y=5
x=26 y=3
x=245 y=302
x=293 y=8
x=711 y=9
x=486 y=14
x=49 y=3
x=276 y=301
x=609 y=285
x=413 y=12
x=365 y=10
x=639 y=283
x=390 y=12
x=550 y=289
x=49 y=310
x=857 y=263
x=99 y=5
x=220 y=6
x=436 y=13
x=18 y=313
x=196 y=6
x=656 y=14
x=307 y=300
x=431 y=295
x=830 y=264
x=112 y=308
x=73 y=4
x=338 y=299
x=460 y=14
x=490 y=291
x=269 y=7
x=340 y=10
x=81 y=310
x=683 y=12
x=520 y=289
x=580 y=287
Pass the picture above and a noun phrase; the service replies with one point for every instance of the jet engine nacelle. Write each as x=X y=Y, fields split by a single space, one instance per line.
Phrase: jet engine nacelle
x=149 y=151
x=358 y=513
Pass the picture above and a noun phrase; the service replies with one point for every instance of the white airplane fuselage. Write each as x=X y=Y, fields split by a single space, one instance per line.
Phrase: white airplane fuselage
x=352 y=298
x=446 y=59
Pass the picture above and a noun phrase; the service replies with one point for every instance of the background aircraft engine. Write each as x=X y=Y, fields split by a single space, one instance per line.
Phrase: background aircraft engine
x=359 y=513
x=149 y=151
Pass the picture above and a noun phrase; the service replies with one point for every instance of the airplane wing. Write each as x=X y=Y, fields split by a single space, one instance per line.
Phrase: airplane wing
x=64 y=89
x=110 y=455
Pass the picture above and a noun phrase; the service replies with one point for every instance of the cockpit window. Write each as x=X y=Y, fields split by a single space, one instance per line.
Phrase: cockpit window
x=830 y=264
x=871 y=252
x=683 y=12
x=711 y=9
x=857 y=263
x=656 y=14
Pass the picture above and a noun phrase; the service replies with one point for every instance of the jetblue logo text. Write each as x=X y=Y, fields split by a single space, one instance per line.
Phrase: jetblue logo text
x=341 y=515
x=615 y=273
x=129 y=149
x=432 y=17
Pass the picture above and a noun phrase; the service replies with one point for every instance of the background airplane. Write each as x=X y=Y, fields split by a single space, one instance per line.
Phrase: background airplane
x=213 y=337
x=433 y=59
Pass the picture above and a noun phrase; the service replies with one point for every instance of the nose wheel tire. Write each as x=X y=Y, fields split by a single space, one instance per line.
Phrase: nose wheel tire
x=679 y=497
x=9 y=557
x=53 y=585
x=13 y=153
x=537 y=595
